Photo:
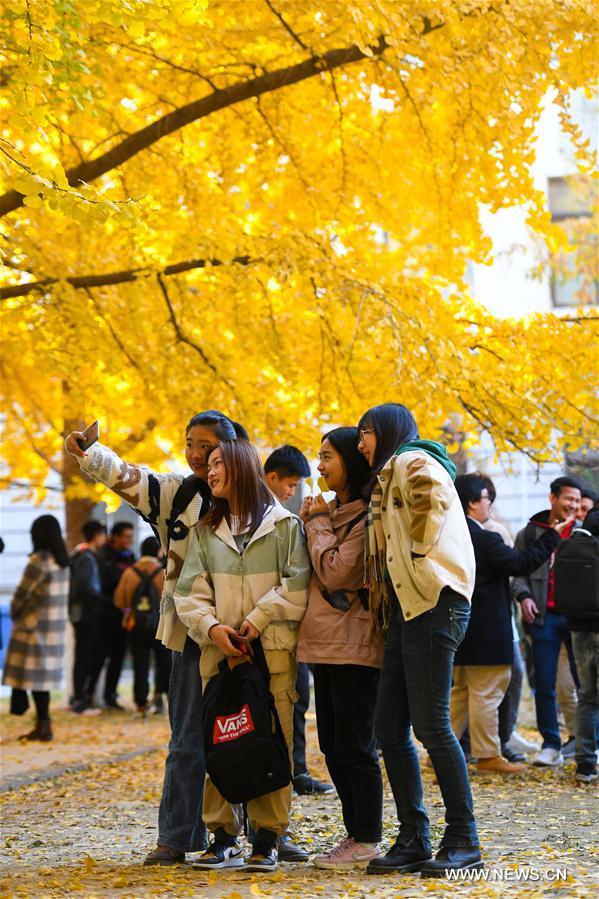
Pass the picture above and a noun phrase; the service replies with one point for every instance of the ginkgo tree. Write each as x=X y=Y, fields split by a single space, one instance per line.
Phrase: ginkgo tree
x=267 y=207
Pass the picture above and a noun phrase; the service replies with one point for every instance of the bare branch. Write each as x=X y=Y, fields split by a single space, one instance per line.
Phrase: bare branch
x=83 y=282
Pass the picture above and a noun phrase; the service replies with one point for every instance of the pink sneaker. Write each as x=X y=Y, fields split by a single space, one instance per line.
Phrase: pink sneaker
x=348 y=854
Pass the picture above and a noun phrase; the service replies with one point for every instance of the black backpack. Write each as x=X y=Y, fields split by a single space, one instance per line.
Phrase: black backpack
x=576 y=576
x=246 y=751
x=145 y=603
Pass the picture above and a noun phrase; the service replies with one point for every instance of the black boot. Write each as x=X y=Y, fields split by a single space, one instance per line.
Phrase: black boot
x=42 y=732
x=400 y=859
x=458 y=858
x=290 y=851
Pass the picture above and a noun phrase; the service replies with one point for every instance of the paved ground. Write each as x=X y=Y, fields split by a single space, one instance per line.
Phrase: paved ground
x=79 y=815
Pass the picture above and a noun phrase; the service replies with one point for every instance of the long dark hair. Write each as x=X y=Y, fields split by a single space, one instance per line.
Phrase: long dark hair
x=345 y=441
x=224 y=428
x=46 y=537
x=244 y=473
x=393 y=426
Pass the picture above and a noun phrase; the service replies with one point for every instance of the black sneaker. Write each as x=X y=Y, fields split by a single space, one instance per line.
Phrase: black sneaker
x=402 y=859
x=586 y=773
x=264 y=852
x=223 y=852
x=157 y=706
x=511 y=756
x=114 y=706
x=289 y=851
x=304 y=785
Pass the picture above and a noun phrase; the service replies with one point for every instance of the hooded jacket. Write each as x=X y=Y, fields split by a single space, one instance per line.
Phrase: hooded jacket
x=329 y=636
x=266 y=583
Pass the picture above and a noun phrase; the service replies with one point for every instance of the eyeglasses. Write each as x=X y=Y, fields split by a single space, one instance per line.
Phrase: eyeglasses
x=363 y=432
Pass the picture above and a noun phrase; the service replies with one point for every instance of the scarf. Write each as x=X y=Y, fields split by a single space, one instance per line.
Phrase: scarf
x=375 y=546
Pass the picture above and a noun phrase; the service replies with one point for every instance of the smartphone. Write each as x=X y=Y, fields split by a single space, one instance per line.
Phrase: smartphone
x=91 y=435
x=242 y=643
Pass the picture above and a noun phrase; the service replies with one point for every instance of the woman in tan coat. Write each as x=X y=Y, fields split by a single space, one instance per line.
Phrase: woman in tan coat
x=337 y=639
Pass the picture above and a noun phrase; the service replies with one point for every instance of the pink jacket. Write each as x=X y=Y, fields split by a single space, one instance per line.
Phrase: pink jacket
x=328 y=636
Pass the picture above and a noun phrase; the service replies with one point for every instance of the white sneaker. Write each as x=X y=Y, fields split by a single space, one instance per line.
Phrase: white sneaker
x=549 y=758
x=518 y=743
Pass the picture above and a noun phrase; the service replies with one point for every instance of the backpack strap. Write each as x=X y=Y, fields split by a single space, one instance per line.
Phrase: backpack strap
x=186 y=491
x=354 y=522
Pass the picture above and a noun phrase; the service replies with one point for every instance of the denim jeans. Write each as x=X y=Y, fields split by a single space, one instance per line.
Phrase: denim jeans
x=510 y=704
x=414 y=688
x=180 y=824
x=547 y=639
x=586 y=653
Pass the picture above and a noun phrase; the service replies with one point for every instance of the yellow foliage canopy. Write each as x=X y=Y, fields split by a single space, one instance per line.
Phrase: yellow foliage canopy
x=267 y=207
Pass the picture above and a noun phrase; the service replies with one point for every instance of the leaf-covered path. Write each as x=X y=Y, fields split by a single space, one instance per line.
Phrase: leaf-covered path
x=84 y=833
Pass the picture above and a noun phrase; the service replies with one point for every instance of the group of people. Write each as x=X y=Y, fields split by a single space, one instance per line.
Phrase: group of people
x=374 y=591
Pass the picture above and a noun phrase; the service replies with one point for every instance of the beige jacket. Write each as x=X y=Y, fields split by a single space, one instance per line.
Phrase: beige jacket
x=328 y=636
x=421 y=514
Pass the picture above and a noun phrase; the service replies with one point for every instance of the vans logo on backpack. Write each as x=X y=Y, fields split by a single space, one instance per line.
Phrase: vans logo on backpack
x=230 y=727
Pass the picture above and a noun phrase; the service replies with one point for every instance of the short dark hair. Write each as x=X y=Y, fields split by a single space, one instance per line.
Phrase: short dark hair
x=591 y=522
x=559 y=484
x=92 y=528
x=150 y=546
x=287 y=462
x=490 y=486
x=469 y=488
x=587 y=493
x=357 y=470
x=223 y=427
x=393 y=425
x=119 y=527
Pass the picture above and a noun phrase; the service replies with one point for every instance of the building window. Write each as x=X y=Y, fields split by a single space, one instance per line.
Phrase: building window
x=575 y=274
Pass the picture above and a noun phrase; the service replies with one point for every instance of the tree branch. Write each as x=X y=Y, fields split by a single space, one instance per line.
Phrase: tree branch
x=186 y=340
x=198 y=109
x=84 y=282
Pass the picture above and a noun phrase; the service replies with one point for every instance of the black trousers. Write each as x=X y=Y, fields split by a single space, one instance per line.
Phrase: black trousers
x=110 y=643
x=302 y=688
x=84 y=657
x=345 y=702
x=143 y=645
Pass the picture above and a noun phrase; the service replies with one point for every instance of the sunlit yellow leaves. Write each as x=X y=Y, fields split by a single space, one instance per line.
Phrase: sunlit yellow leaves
x=354 y=218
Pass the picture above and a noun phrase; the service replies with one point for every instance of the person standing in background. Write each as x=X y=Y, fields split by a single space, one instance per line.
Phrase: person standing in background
x=138 y=596
x=85 y=599
x=111 y=637
x=39 y=608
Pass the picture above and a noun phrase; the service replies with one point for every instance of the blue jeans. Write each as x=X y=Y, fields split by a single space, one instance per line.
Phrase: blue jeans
x=586 y=653
x=414 y=688
x=180 y=824
x=547 y=639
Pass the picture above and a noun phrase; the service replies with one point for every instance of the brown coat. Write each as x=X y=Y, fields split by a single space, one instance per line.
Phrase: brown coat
x=328 y=636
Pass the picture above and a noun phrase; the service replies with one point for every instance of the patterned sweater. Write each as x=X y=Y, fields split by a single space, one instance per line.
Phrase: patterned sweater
x=151 y=495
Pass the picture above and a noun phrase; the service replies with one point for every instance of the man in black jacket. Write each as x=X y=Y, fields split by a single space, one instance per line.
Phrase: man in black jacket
x=85 y=597
x=482 y=667
x=111 y=636
x=548 y=629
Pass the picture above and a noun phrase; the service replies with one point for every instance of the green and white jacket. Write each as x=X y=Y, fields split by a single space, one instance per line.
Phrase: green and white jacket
x=267 y=583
